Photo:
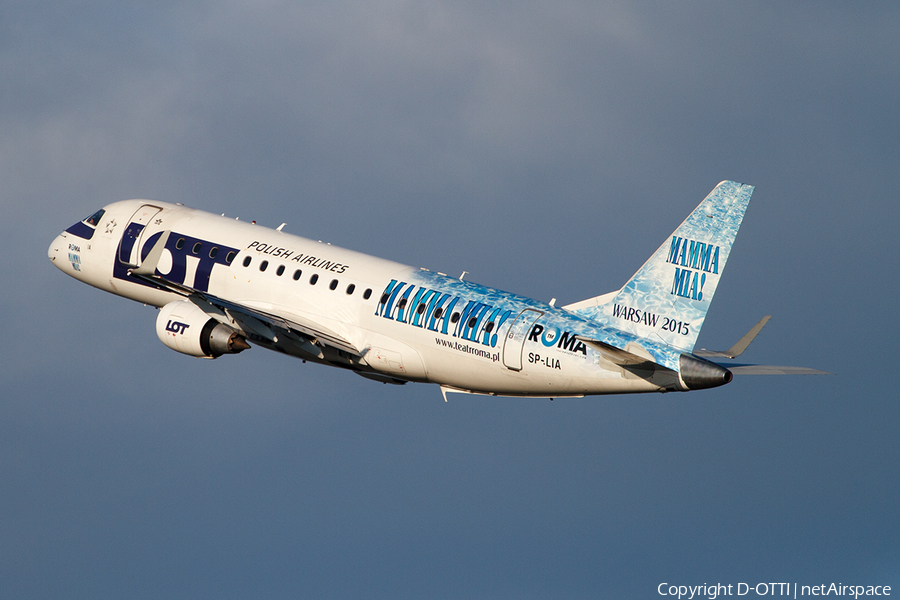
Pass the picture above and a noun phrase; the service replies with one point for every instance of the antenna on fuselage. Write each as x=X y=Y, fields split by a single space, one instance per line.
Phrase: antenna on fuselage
x=463 y=275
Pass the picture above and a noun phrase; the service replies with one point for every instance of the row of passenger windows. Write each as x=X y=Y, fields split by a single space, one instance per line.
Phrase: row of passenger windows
x=351 y=288
x=314 y=278
x=213 y=252
x=438 y=313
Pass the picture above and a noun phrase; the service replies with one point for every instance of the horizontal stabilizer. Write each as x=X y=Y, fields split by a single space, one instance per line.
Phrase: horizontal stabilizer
x=617 y=356
x=773 y=370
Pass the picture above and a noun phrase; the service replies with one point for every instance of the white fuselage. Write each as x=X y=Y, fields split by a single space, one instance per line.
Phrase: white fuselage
x=404 y=323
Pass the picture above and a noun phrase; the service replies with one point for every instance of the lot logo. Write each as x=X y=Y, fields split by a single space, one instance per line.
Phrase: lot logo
x=176 y=327
x=193 y=258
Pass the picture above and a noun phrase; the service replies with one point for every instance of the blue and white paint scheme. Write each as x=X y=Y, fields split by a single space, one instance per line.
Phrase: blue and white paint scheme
x=222 y=285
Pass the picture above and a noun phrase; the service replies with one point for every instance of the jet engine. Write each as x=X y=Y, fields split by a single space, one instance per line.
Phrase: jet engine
x=185 y=328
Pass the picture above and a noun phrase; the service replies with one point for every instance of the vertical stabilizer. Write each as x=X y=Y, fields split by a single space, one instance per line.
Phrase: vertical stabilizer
x=667 y=299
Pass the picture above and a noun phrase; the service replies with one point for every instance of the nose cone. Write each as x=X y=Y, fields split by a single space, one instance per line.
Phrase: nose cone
x=56 y=251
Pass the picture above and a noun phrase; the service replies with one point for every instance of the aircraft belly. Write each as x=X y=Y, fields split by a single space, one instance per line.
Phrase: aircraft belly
x=541 y=376
x=392 y=357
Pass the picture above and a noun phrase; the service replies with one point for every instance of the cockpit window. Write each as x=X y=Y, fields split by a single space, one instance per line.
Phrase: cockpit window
x=94 y=219
x=85 y=228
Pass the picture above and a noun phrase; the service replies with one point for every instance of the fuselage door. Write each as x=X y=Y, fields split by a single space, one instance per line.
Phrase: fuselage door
x=134 y=233
x=514 y=344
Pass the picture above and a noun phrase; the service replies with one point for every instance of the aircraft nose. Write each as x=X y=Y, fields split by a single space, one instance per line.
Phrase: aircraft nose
x=54 y=252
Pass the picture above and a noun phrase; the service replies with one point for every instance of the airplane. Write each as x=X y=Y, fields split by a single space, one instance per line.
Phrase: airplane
x=222 y=284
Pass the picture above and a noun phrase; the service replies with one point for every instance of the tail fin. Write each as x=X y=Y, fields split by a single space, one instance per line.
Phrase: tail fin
x=667 y=299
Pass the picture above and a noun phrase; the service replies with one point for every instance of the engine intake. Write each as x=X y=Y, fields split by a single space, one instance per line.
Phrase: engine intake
x=185 y=328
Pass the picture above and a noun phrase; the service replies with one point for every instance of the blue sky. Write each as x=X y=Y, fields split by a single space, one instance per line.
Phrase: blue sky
x=547 y=149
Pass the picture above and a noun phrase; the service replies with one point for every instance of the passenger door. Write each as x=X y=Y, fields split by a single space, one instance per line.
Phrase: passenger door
x=514 y=344
x=134 y=233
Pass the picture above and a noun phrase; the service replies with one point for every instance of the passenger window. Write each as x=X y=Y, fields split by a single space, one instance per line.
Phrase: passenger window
x=350 y=289
x=333 y=285
x=454 y=318
x=179 y=244
x=247 y=261
x=402 y=303
x=313 y=279
x=280 y=270
x=421 y=308
x=438 y=312
x=489 y=327
x=297 y=274
x=213 y=252
x=384 y=298
x=229 y=258
x=196 y=248
x=264 y=265
x=472 y=322
x=367 y=294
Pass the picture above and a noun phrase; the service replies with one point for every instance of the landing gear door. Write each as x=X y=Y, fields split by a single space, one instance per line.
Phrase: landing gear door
x=514 y=344
x=134 y=233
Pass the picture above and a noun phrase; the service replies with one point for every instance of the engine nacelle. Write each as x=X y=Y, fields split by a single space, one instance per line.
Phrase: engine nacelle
x=185 y=328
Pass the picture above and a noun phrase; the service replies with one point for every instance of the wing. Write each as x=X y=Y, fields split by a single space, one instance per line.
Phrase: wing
x=265 y=323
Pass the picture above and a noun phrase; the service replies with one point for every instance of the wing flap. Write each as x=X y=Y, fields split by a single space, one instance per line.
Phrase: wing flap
x=280 y=319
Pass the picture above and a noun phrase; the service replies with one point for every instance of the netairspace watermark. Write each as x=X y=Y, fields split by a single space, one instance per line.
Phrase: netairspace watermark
x=791 y=590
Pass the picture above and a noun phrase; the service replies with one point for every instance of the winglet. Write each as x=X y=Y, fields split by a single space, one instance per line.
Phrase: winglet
x=149 y=264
